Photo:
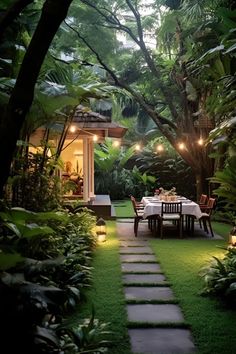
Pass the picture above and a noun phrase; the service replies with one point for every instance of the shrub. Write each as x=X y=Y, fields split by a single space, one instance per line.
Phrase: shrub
x=44 y=265
x=220 y=278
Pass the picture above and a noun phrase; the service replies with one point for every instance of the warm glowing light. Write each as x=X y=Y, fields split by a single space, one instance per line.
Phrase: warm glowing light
x=101 y=230
x=181 y=146
x=200 y=141
x=116 y=143
x=72 y=128
x=137 y=147
x=160 y=148
x=233 y=240
x=232 y=237
x=95 y=138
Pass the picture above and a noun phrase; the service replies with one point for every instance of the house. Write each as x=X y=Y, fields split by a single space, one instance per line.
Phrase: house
x=85 y=129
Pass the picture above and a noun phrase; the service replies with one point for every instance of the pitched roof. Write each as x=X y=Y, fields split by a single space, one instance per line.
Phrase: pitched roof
x=88 y=120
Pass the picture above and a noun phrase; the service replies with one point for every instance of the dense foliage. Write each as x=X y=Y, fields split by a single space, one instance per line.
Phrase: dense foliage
x=44 y=268
x=220 y=278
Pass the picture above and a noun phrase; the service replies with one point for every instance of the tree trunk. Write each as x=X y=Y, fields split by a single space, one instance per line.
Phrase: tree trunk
x=53 y=13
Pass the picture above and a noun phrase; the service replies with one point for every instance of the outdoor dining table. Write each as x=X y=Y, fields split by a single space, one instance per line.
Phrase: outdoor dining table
x=152 y=206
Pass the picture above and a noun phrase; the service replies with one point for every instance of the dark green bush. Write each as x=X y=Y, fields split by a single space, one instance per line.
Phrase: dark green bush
x=220 y=277
x=44 y=266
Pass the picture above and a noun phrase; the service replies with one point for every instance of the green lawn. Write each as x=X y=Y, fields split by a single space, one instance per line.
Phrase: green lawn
x=212 y=325
x=106 y=294
x=123 y=208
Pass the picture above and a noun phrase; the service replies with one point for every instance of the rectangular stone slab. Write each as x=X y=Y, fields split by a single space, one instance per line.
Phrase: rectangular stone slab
x=155 y=313
x=140 y=267
x=161 y=341
x=148 y=293
x=136 y=250
x=134 y=243
x=137 y=258
x=143 y=278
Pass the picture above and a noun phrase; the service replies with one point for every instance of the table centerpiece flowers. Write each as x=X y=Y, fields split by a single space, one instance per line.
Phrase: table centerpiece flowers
x=168 y=195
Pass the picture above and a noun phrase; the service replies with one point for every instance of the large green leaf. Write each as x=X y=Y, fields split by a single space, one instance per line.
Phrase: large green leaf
x=9 y=260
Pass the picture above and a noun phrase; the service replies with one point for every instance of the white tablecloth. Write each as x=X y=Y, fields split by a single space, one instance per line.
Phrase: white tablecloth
x=153 y=206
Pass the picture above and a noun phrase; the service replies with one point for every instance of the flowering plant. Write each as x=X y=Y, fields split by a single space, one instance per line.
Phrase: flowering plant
x=172 y=191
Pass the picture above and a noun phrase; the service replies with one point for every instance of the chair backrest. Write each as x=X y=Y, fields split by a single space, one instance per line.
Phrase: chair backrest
x=210 y=205
x=203 y=199
x=171 y=208
x=133 y=200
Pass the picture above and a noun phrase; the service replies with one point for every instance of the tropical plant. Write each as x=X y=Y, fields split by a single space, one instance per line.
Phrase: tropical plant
x=145 y=72
x=143 y=182
x=223 y=139
x=44 y=267
x=220 y=278
x=168 y=168
x=13 y=118
x=110 y=173
x=87 y=337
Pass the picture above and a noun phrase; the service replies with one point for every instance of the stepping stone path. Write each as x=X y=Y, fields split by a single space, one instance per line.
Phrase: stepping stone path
x=150 y=302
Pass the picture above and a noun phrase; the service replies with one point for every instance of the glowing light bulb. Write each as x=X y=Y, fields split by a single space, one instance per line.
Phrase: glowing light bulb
x=200 y=141
x=160 y=148
x=137 y=147
x=95 y=138
x=181 y=146
x=116 y=143
x=72 y=128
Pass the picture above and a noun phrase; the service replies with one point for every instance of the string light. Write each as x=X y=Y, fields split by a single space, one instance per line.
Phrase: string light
x=116 y=143
x=72 y=128
x=137 y=147
x=181 y=146
x=200 y=141
x=160 y=148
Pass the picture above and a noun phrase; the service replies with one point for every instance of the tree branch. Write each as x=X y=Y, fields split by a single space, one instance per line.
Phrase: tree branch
x=99 y=59
x=140 y=42
x=112 y=19
x=53 y=13
x=159 y=120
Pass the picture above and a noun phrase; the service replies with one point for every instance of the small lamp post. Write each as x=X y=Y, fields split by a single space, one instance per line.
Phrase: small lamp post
x=232 y=236
x=101 y=230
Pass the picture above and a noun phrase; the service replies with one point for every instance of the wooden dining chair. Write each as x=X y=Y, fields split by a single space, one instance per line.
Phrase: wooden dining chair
x=138 y=205
x=203 y=200
x=206 y=215
x=138 y=216
x=171 y=212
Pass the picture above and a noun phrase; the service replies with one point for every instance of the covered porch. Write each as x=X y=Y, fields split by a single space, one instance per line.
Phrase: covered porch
x=77 y=154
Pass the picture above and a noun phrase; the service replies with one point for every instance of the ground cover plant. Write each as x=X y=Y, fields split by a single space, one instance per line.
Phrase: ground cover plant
x=45 y=264
x=106 y=294
x=219 y=277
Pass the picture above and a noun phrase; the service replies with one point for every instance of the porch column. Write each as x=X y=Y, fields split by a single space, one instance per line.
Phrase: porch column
x=85 y=170
x=91 y=168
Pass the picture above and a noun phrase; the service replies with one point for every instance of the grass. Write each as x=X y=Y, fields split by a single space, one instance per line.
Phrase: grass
x=212 y=325
x=123 y=208
x=222 y=229
x=106 y=294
